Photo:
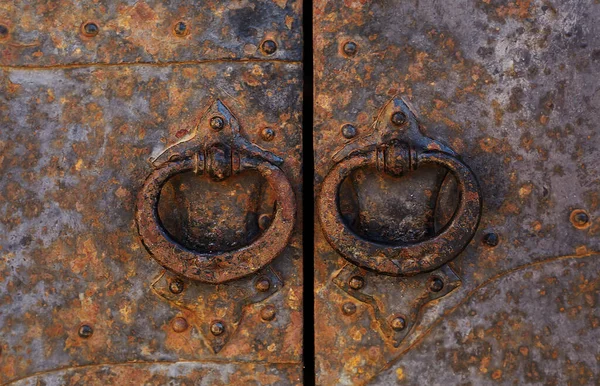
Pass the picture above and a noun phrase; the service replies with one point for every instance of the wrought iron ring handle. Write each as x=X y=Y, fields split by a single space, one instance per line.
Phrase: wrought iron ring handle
x=215 y=267
x=405 y=259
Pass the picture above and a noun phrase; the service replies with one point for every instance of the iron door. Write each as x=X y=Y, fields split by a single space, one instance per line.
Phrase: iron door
x=150 y=155
x=457 y=187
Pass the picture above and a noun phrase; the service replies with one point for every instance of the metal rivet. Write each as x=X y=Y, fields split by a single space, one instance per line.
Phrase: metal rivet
x=491 y=239
x=349 y=308
x=267 y=134
x=3 y=32
x=348 y=131
x=217 y=123
x=217 y=328
x=436 y=284
x=350 y=48
x=180 y=29
x=268 y=313
x=580 y=219
x=85 y=331
x=398 y=323
x=264 y=220
x=356 y=282
x=398 y=118
x=268 y=47
x=179 y=324
x=176 y=286
x=90 y=29
x=263 y=284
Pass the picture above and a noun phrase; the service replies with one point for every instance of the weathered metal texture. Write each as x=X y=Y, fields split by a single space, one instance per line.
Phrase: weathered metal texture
x=219 y=158
x=207 y=307
x=407 y=151
x=42 y=33
x=166 y=373
x=78 y=290
x=407 y=295
x=511 y=86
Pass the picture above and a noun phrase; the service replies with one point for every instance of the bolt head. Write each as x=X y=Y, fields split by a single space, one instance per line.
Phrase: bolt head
x=581 y=218
x=217 y=328
x=217 y=123
x=263 y=284
x=3 y=31
x=348 y=131
x=491 y=239
x=436 y=284
x=180 y=29
x=268 y=47
x=350 y=48
x=264 y=220
x=180 y=324
x=85 y=331
x=267 y=134
x=356 y=282
x=268 y=313
x=176 y=286
x=398 y=118
x=90 y=29
x=348 y=308
x=398 y=323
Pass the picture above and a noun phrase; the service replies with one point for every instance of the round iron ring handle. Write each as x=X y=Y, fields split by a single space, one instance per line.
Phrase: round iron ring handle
x=223 y=266
x=404 y=259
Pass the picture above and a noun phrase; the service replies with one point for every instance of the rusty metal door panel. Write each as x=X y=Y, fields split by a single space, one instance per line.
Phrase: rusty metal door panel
x=509 y=90
x=94 y=96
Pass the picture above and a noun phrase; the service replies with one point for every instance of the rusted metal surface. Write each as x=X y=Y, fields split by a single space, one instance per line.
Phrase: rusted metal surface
x=218 y=157
x=511 y=86
x=164 y=373
x=215 y=312
x=534 y=325
x=380 y=297
x=396 y=158
x=41 y=33
x=80 y=297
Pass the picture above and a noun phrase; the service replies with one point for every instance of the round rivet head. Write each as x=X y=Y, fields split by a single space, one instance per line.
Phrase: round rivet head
x=268 y=47
x=348 y=131
x=436 y=284
x=179 y=324
x=398 y=323
x=580 y=219
x=356 y=282
x=217 y=123
x=348 y=308
x=491 y=239
x=398 y=118
x=3 y=31
x=217 y=328
x=176 y=286
x=85 y=331
x=350 y=48
x=90 y=29
x=267 y=134
x=263 y=284
x=264 y=220
x=268 y=313
x=180 y=29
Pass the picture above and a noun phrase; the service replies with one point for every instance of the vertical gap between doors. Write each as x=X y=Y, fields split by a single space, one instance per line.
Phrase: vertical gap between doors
x=308 y=202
